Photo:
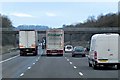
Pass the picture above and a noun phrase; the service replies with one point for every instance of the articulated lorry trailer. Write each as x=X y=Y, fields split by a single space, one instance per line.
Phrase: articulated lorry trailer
x=28 y=42
x=55 y=42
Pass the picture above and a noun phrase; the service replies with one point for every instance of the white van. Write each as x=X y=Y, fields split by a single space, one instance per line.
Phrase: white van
x=104 y=50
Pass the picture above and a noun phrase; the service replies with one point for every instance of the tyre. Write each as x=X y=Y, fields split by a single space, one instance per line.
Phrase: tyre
x=90 y=65
x=73 y=55
x=21 y=53
x=83 y=55
x=118 y=67
x=35 y=53
x=48 y=54
x=25 y=54
x=61 y=54
x=94 y=65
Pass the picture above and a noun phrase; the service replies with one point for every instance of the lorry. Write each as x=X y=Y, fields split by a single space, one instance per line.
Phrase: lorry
x=55 y=42
x=104 y=50
x=28 y=42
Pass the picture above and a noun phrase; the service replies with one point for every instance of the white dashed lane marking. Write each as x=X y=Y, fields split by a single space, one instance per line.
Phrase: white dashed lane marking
x=33 y=63
x=75 y=67
x=67 y=59
x=29 y=67
x=80 y=73
x=36 y=59
x=70 y=62
x=22 y=74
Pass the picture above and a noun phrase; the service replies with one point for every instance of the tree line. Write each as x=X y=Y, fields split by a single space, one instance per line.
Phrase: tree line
x=108 y=20
x=6 y=24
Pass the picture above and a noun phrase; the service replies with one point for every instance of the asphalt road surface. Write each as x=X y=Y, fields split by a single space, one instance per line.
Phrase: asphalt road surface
x=52 y=67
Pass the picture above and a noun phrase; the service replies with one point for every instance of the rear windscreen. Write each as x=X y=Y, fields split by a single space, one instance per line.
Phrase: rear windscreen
x=69 y=47
x=79 y=49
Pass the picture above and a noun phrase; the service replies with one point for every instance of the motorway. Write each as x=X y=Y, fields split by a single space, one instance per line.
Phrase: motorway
x=51 y=67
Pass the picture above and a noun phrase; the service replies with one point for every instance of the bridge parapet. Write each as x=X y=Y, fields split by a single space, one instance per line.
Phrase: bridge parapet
x=75 y=30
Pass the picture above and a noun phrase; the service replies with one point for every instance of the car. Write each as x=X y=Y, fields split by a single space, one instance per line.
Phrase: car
x=68 y=48
x=78 y=50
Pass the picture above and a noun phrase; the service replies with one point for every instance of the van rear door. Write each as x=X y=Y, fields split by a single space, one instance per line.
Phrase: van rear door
x=23 y=39
x=102 y=45
x=113 y=48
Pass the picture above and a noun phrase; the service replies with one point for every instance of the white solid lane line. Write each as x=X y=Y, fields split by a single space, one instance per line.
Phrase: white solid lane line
x=22 y=74
x=80 y=73
x=9 y=59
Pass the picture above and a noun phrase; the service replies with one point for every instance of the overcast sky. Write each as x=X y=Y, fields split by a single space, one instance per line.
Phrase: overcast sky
x=55 y=14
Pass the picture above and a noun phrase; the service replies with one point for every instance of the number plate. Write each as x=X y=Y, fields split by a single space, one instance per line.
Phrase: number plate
x=103 y=60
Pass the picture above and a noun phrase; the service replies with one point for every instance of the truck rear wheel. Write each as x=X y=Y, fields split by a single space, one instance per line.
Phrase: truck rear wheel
x=83 y=55
x=35 y=53
x=118 y=66
x=21 y=53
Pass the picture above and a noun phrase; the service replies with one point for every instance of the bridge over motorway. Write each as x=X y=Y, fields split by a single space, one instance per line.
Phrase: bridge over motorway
x=69 y=32
x=91 y=30
x=75 y=30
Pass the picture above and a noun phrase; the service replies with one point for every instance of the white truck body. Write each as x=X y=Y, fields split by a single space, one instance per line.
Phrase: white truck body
x=28 y=42
x=55 y=41
x=104 y=50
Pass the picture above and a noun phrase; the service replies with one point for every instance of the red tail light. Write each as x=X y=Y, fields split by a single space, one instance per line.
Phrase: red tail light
x=95 y=55
x=21 y=46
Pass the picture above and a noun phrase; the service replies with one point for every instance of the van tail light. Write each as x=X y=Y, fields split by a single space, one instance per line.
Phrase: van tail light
x=95 y=55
